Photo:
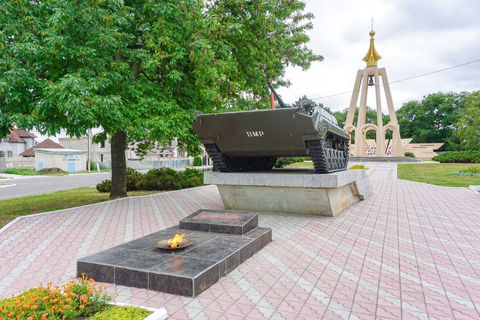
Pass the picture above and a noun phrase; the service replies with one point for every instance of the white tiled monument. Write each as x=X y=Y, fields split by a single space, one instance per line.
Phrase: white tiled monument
x=291 y=191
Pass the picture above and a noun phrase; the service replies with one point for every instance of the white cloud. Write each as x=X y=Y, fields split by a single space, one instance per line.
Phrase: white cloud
x=413 y=37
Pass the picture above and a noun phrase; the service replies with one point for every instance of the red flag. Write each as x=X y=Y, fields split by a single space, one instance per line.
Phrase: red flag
x=272 y=101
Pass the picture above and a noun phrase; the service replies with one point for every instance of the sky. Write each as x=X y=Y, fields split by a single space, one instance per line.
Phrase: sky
x=413 y=37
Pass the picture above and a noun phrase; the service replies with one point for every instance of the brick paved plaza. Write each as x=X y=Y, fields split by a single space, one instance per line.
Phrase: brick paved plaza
x=410 y=251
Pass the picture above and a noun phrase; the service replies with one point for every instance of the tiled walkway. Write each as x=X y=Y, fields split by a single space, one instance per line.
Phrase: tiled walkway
x=410 y=251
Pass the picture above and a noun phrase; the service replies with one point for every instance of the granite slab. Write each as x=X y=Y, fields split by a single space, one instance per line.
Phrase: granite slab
x=185 y=272
x=221 y=221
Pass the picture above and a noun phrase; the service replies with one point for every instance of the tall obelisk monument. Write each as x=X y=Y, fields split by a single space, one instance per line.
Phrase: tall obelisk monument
x=370 y=76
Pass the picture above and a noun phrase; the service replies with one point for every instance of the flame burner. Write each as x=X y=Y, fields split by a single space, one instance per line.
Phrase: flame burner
x=175 y=243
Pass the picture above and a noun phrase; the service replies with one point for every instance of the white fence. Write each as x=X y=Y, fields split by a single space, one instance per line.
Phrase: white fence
x=20 y=162
x=146 y=165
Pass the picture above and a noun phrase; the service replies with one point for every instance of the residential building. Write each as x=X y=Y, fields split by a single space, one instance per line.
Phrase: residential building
x=99 y=152
x=45 y=144
x=16 y=142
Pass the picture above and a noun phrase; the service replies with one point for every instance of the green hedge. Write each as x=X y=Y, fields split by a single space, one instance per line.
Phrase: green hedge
x=162 y=179
x=458 y=157
x=409 y=154
x=197 y=161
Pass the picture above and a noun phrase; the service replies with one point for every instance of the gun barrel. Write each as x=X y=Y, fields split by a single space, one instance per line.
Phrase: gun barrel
x=280 y=101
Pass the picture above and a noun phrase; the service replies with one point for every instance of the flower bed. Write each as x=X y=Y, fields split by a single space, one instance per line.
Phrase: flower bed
x=78 y=298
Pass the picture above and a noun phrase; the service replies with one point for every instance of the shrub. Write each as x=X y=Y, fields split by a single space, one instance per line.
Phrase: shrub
x=104 y=186
x=283 y=162
x=75 y=299
x=409 y=154
x=133 y=176
x=161 y=179
x=458 y=157
x=92 y=165
x=357 y=166
x=197 y=161
x=157 y=179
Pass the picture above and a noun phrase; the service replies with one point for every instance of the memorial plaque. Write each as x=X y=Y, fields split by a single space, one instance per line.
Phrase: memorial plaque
x=219 y=216
x=222 y=221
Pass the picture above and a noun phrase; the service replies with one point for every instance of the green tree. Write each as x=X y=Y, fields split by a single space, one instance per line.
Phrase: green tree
x=469 y=122
x=434 y=119
x=140 y=68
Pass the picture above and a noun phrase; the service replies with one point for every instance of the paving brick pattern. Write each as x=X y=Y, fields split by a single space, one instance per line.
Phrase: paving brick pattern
x=410 y=251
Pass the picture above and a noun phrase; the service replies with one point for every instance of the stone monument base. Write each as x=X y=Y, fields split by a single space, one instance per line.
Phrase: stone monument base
x=220 y=241
x=291 y=191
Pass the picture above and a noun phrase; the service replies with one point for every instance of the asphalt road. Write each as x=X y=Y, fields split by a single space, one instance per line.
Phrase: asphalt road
x=33 y=185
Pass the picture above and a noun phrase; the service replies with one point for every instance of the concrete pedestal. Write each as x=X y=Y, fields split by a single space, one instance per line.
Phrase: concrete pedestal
x=291 y=191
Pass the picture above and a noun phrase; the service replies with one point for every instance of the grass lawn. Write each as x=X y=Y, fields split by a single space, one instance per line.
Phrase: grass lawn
x=30 y=172
x=437 y=173
x=301 y=165
x=12 y=208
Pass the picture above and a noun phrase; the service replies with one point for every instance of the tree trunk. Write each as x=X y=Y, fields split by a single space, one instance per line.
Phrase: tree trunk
x=119 y=166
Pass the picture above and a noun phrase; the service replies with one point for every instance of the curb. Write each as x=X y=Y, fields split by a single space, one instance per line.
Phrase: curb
x=8 y=185
x=474 y=188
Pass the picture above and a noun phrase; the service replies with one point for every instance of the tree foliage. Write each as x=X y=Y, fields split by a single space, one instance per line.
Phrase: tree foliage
x=140 y=68
x=434 y=119
x=469 y=122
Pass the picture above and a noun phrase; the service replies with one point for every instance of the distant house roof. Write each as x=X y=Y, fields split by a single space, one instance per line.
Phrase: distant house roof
x=45 y=144
x=16 y=135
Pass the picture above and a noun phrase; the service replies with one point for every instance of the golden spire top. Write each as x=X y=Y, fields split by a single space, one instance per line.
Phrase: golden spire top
x=372 y=56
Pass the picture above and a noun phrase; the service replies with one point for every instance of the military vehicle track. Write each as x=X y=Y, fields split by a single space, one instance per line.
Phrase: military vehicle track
x=328 y=160
x=233 y=164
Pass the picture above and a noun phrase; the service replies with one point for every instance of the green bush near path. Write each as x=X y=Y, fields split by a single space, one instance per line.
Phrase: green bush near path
x=162 y=179
x=437 y=173
x=458 y=157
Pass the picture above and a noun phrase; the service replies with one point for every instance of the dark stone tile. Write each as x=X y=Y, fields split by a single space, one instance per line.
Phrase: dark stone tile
x=143 y=244
x=182 y=266
x=250 y=225
x=147 y=260
x=222 y=268
x=131 y=278
x=246 y=252
x=261 y=237
x=206 y=279
x=95 y=271
x=255 y=233
x=112 y=256
x=232 y=261
x=170 y=284
x=195 y=226
x=225 y=228
x=199 y=237
x=219 y=249
x=220 y=225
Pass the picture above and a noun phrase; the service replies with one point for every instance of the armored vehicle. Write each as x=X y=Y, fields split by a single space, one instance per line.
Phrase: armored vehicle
x=253 y=140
